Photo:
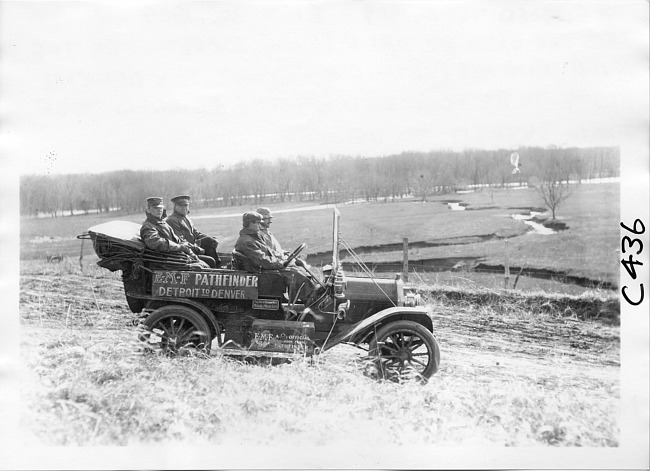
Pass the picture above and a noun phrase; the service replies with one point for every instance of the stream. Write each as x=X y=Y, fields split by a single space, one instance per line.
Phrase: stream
x=537 y=227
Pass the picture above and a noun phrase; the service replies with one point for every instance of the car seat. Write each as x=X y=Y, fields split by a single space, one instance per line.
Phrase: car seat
x=241 y=262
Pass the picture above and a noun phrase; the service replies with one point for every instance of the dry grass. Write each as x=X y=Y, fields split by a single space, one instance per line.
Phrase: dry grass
x=471 y=280
x=101 y=393
x=594 y=305
x=509 y=377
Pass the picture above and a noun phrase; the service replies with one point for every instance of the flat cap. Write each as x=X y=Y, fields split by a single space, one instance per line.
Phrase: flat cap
x=265 y=212
x=247 y=218
x=181 y=199
x=153 y=201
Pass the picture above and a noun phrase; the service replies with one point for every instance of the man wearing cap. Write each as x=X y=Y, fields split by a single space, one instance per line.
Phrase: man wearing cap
x=184 y=227
x=252 y=245
x=158 y=235
x=267 y=235
x=269 y=238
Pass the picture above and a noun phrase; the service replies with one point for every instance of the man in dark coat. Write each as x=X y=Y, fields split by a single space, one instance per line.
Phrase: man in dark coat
x=184 y=227
x=252 y=245
x=270 y=240
x=267 y=235
x=158 y=235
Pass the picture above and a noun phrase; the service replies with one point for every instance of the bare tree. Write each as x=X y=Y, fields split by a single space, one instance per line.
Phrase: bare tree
x=282 y=179
x=494 y=160
x=553 y=193
x=48 y=195
x=29 y=198
x=475 y=162
x=68 y=185
x=420 y=174
x=554 y=187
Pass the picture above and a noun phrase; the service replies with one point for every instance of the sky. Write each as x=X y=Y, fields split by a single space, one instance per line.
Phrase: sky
x=101 y=86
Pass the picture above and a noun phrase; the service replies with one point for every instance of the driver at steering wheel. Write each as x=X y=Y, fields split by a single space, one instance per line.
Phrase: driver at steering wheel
x=271 y=241
x=252 y=245
x=267 y=235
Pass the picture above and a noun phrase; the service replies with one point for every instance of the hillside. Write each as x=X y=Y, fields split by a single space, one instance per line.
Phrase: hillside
x=508 y=377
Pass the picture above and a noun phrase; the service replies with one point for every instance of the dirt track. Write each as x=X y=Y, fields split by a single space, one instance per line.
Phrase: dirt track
x=468 y=335
x=507 y=373
x=544 y=352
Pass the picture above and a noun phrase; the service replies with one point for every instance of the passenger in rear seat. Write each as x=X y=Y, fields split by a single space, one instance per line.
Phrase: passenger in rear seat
x=184 y=227
x=159 y=236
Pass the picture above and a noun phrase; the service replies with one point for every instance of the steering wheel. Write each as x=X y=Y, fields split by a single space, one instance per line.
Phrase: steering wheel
x=294 y=254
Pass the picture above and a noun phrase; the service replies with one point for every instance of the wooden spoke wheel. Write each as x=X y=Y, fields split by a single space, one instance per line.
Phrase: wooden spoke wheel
x=175 y=330
x=405 y=350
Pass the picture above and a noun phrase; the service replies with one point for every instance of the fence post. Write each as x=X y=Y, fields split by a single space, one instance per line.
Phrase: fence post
x=81 y=255
x=405 y=263
x=507 y=266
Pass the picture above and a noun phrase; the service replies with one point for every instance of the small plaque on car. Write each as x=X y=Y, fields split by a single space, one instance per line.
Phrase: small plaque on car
x=266 y=304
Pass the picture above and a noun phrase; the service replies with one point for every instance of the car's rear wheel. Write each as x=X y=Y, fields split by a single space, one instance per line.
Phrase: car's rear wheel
x=405 y=350
x=176 y=329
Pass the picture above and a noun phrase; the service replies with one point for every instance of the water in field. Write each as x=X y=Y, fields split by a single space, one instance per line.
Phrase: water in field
x=537 y=227
x=456 y=206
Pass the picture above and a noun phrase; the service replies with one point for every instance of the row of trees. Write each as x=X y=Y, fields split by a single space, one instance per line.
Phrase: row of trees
x=333 y=179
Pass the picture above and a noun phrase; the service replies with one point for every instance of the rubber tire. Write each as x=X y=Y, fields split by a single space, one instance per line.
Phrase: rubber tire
x=411 y=328
x=201 y=331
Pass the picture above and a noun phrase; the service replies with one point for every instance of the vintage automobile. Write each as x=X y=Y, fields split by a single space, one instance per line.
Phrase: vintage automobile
x=250 y=313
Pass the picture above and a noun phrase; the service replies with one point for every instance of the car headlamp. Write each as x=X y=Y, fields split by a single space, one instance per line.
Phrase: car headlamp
x=412 y=299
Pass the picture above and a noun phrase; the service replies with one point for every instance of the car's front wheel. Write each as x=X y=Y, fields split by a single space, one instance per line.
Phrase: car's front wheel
x=405 y=350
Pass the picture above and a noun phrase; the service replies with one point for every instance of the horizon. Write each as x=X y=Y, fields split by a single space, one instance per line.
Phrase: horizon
x=322 y=158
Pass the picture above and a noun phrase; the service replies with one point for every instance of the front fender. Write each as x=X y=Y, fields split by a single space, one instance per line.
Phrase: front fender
x=363 y=330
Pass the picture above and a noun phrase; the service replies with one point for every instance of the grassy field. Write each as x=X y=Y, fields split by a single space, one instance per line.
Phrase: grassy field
x=525 y=368
x=588 y=248
x=509 y=377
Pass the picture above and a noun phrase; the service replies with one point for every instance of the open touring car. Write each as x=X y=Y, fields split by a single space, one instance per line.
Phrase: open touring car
x=250 y=313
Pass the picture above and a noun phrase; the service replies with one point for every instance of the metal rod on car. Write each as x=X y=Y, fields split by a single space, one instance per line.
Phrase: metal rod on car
x=335 y=237
x=507 y=266
x=81 y=254
x=405 y=263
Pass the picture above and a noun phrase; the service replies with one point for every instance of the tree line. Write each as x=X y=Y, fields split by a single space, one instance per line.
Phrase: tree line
x=333 y=179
